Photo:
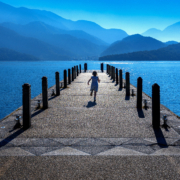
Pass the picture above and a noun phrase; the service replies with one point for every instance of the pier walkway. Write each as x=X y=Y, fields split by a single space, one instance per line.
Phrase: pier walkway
x=76 y=138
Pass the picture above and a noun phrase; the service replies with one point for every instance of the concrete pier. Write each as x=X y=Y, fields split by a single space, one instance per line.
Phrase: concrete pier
x=77 y=138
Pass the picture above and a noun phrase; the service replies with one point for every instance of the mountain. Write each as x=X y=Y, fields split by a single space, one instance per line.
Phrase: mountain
x=12 y=40
x=133 y=43
x=108 y=35
x=153 y=32
x=77 y=47
x=171 y=42
x=39 y=29
x=24 y=16
x=170 y=33
x=171 y=52
x=10 y=55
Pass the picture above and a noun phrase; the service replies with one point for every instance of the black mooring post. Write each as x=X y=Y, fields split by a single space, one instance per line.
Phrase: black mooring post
x=116 y=76
x=139 y=93
x=85 y=67
x=155 y=106
x=77 y=71
x=111 y=72
x=127 y=84
x=120 y=79
x=72 y=74
x=45 y=92
x=57 y=84
x=114 y=73
x=69 y=76
x=65 y=79
x=102 y=67
x=80 y=68
x=26 y=106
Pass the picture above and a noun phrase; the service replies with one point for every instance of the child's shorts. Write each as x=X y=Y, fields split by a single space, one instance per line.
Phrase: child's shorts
x=94 y=88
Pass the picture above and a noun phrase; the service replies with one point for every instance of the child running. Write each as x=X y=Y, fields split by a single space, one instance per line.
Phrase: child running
x=94 y=84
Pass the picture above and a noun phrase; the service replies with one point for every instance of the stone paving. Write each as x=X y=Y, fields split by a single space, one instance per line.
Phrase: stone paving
x=77 y=138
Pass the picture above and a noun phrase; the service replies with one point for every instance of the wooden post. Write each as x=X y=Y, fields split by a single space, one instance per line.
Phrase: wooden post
x=102 y=67
x=139 y=93
x=120 y=79
x=116 y=76
x=85 y=67
x=127 y=84
x=26 y=106
x=45 y=92
x=80 y=68
x=57 y=84
x=72 y=74
x=155 y=106
x=69 y=76
x=113 y=73
x=77 y=71
x=65 y=79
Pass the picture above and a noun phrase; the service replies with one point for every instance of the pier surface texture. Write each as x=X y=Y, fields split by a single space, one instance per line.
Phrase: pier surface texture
x=77 y=138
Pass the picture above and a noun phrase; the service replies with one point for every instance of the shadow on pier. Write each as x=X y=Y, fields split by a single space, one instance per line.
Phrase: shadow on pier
x=8 y=139
x=91 y=104
x=160 y=138
x=140 y=113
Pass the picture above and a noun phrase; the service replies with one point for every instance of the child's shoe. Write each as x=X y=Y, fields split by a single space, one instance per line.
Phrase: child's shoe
x=94 y=99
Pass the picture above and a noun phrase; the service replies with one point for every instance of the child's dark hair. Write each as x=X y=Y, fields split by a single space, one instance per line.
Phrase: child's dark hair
x=94 y=73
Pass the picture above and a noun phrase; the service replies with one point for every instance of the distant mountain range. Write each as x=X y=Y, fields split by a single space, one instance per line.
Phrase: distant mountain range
x=171 y=52
x=24 y=16
x=12 y=40
x=72 y=47
x=38 y=29
x=44 y=35
x=171 y=33
x=10 y=55
x=132 y=44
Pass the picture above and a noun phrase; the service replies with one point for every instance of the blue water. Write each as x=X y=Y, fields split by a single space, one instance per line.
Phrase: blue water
x=14 y=74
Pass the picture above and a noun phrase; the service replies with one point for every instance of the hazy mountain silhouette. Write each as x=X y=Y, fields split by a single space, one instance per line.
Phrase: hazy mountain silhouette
x=133 y=43
x=78 y=48
x=10 y=55
x=25 y=16
x=12 y=40
x=39 y=29
x=171 y=33
x=171 y=52
x=108 y=35
x=171 y=42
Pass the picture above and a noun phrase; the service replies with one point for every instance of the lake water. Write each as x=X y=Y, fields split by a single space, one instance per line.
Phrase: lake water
x=14 y=74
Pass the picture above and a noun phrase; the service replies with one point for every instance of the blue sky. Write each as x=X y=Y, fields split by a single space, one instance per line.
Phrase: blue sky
x=133 y=16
